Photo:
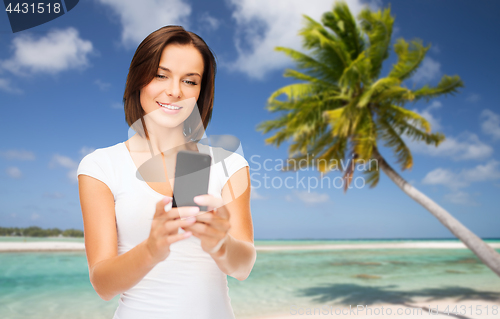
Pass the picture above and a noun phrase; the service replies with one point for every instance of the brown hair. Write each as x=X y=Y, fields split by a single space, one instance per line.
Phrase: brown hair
x=144 y=67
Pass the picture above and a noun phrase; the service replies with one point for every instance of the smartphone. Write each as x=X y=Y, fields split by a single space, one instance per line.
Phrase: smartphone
x=192 y=174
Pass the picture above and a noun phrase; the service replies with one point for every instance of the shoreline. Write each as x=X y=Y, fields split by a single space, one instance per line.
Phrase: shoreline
x=75 y=246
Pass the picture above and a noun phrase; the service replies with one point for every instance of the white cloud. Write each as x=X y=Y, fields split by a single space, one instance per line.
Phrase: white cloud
x=103 y=86
x=441 y=176
x=491 y=124
x=66 y=162
x=86 y=150
x=7 y=87
x=473 y=98
x=35 y=216
x=73 y=178
x=70 y=164
x=435 y=48
x=463 y=147
x=460 y=198
x=481 y=173
x=14 y=172
x=428 y=70
x=58 y=51
x=435 y=105
x=261 y=25
x=452 y=180
x=140 y=18
x=426 y=113
x=210 y=22
x=21 y=155
x=116 y=105
x=308 y=197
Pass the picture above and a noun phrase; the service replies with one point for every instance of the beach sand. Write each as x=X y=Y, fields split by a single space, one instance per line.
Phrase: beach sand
x=421 y=308
x=74 y=246
x=41 y=246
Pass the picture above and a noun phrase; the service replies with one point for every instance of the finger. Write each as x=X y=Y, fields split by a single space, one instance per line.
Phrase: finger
x=174 y=213
x=177 y=237
x=161 y=206
x=205 y=229
x=214 y=221
x=210 y=201
x=173 y=226
x=187 y=211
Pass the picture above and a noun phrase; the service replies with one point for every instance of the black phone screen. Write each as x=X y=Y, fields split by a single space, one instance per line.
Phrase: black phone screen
x=192 y=173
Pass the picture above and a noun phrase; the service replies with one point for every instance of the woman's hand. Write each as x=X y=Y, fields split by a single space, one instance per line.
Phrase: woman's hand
x=165 y=228
x=212 y=226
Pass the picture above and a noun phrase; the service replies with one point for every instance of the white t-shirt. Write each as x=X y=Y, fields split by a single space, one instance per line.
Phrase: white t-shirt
x=188 y=283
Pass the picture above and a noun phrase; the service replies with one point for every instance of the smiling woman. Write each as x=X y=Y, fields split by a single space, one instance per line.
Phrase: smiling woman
x=136 y=243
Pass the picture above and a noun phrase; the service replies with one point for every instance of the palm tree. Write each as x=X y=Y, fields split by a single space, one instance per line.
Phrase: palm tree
x=342 y=109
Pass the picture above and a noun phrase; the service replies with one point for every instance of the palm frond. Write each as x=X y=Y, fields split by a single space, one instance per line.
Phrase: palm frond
x=325 y=46
x=334 y=154
x=341 y=105
x=392 y=139
x=316 y=36
x=341 y=21
x=269 y=125
x=364 y=135
x=354 y=74
x=293 y=92
x=370 y=93
x=410 y=55
x=401 y=114
x=447 y=85
x=401 y=126
x=396 y=95
x=373 y=174
x=378 y=28
x=315 y=69
x=291 y=73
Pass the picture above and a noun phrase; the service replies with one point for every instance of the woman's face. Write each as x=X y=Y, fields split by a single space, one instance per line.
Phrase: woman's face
x=177 y=81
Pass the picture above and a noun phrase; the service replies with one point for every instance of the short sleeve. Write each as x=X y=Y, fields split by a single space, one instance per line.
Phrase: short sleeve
x=233 y=163
x=92 y=165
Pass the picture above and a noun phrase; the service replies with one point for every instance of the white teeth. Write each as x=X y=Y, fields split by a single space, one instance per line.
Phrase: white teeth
x=169 y=106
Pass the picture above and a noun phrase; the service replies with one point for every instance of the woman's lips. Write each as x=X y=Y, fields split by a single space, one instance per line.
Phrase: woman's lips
x=167 y=110
x=172 y=104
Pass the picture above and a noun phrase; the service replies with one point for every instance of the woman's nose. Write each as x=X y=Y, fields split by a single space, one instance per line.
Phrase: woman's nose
x=173 y=90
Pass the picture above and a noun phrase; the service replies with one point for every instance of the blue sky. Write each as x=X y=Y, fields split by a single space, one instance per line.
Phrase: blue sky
x=61 y=86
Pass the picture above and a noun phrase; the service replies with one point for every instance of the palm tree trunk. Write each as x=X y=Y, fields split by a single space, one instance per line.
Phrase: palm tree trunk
x=486 y=253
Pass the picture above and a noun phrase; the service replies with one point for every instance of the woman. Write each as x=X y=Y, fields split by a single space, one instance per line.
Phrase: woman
x=164 y=266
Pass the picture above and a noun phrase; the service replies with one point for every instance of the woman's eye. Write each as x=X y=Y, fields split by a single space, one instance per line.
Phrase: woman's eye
x=164 y=77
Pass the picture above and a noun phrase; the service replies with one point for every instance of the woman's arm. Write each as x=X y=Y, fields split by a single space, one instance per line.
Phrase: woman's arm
x=109 y=273
x=236 y=258
x=237 y=255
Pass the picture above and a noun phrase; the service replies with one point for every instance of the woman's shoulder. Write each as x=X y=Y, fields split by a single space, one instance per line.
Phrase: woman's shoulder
x=101 y=164
x=105 y=153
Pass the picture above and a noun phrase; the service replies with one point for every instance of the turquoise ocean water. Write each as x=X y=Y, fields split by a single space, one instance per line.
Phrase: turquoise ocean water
x=56 y=284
